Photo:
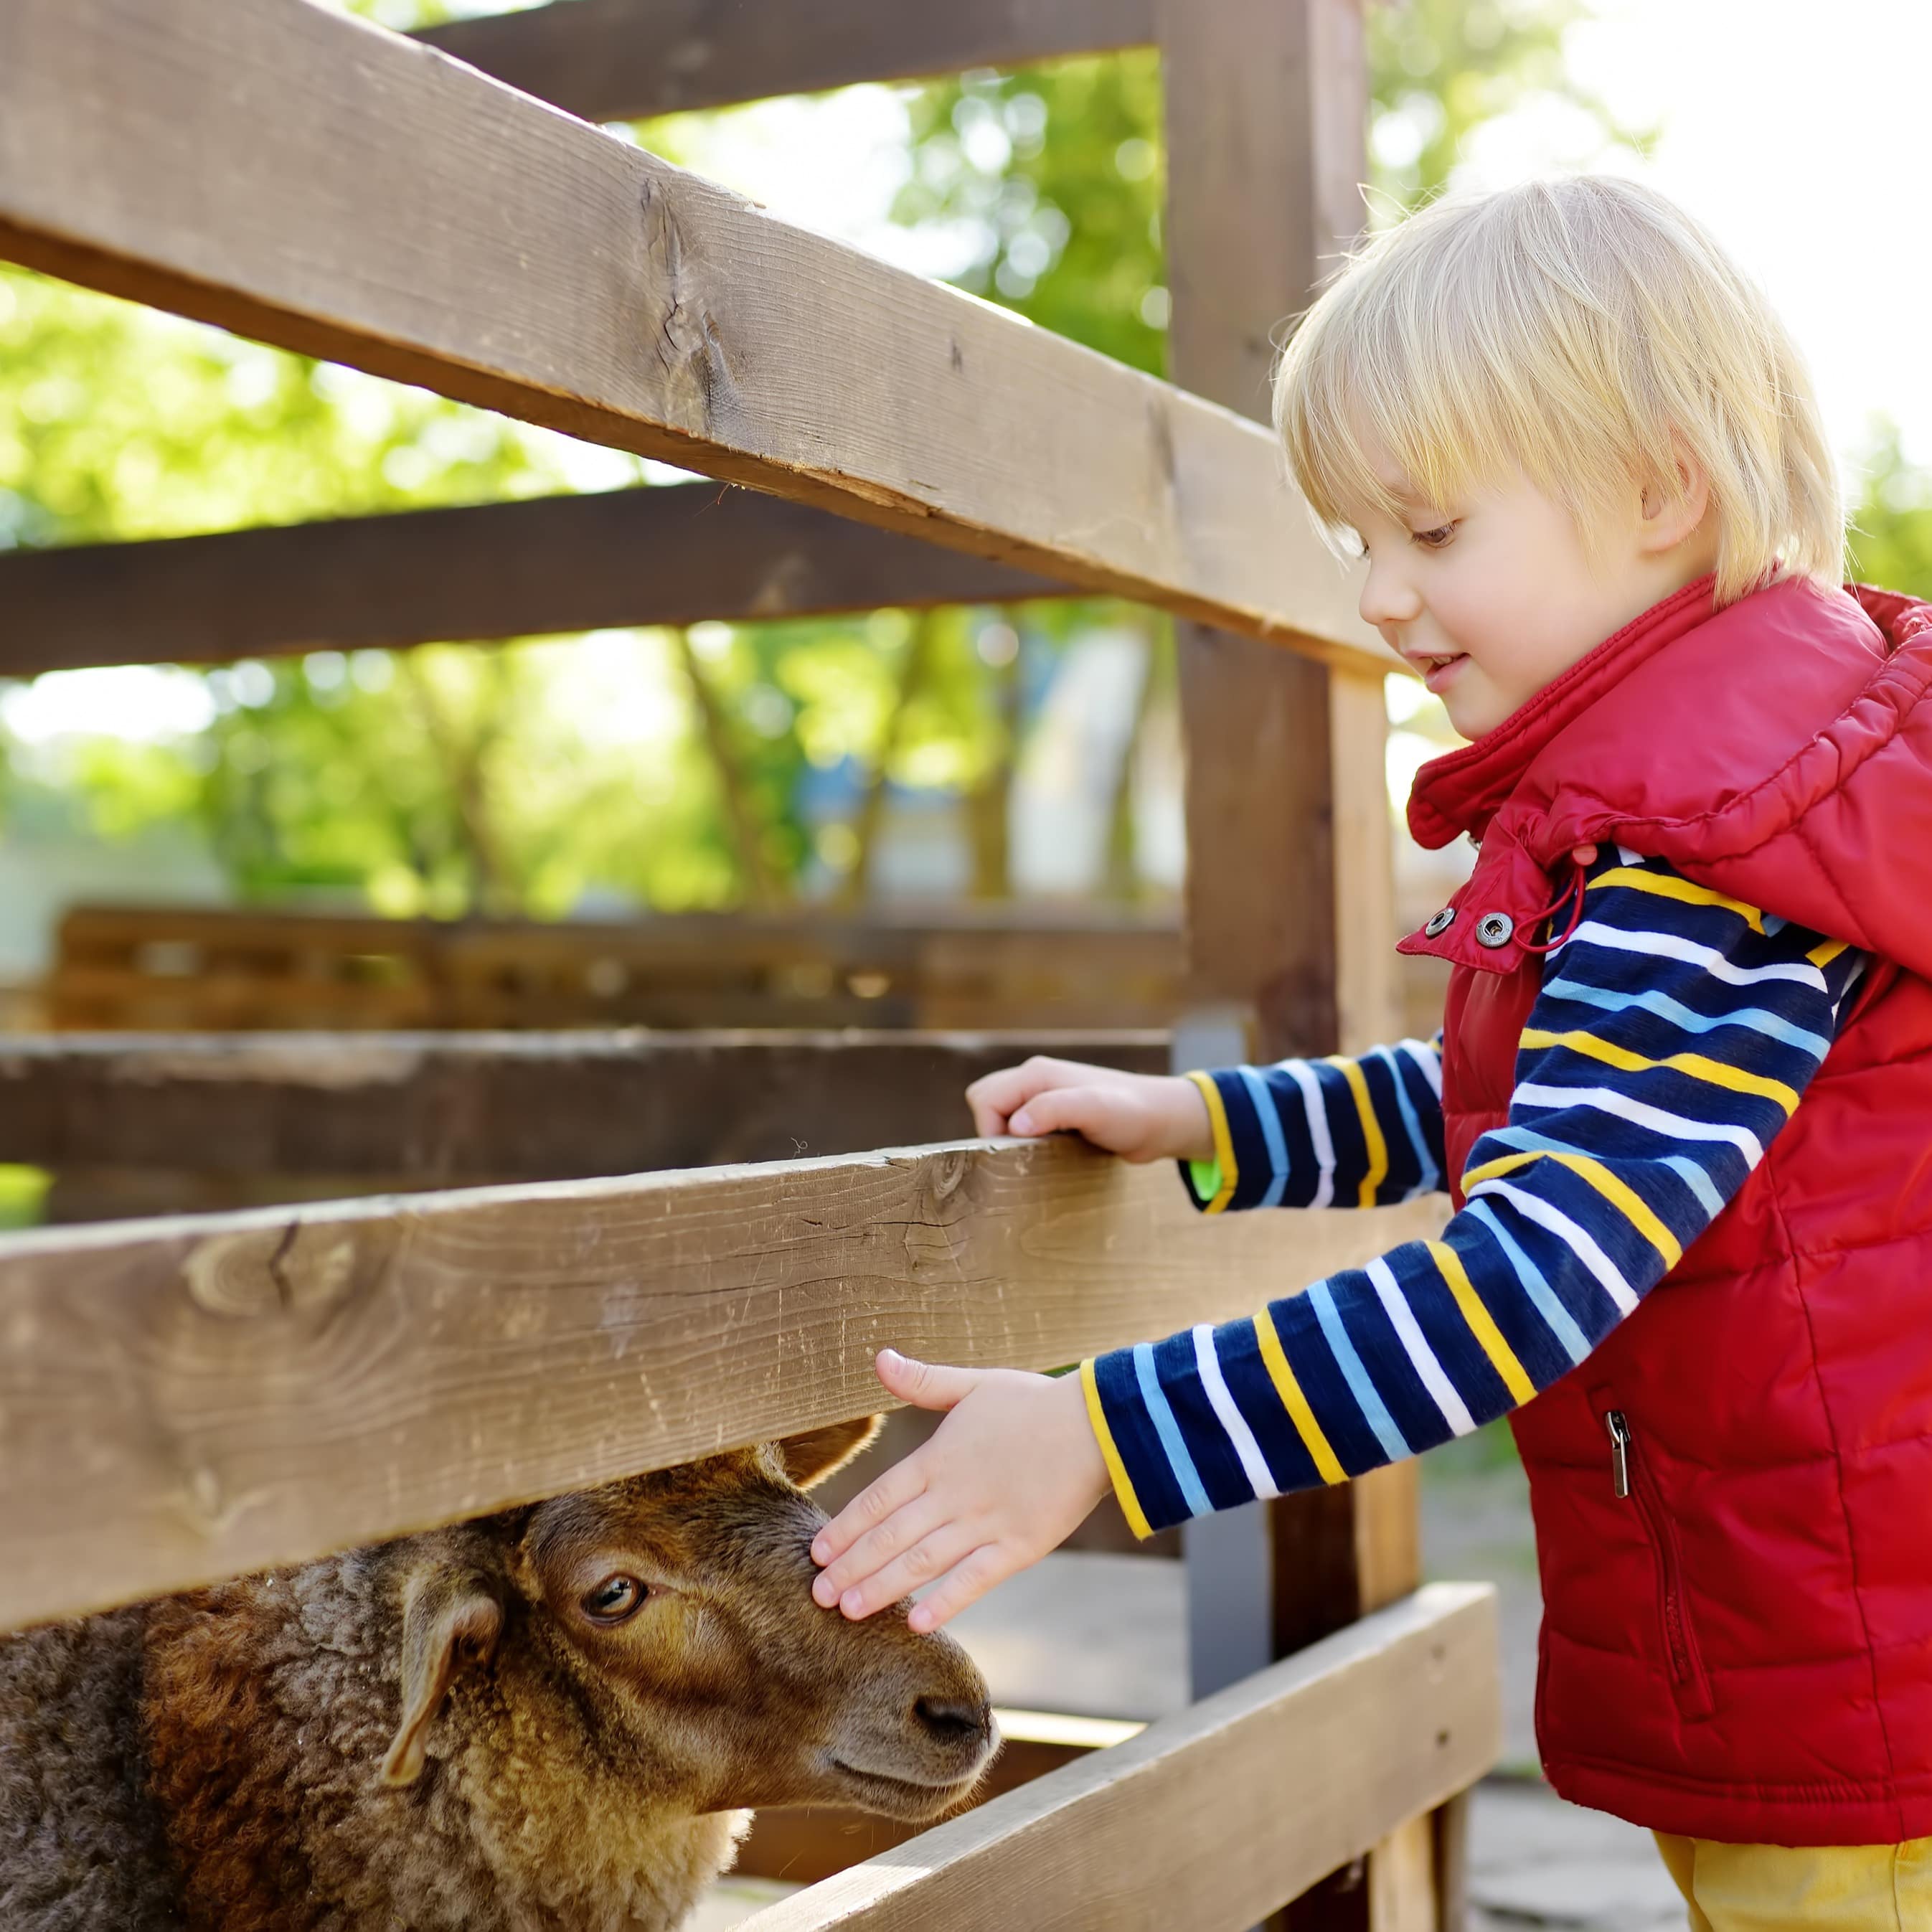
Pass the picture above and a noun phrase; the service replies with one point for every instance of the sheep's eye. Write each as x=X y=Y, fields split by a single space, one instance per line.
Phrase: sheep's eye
x=613 y=1600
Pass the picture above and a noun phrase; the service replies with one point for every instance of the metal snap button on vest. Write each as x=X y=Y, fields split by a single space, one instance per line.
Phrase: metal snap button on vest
x=1494 y=929
x=1439 y=922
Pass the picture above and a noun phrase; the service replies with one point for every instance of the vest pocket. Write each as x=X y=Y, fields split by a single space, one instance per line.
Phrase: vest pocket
x=1633 y=1482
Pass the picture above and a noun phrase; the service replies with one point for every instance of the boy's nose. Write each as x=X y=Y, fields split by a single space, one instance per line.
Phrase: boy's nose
x=1387 y=600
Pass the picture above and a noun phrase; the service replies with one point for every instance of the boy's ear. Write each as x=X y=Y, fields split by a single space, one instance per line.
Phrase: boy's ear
x=452 y=1616
x=815 y=1453
x=1674 y=507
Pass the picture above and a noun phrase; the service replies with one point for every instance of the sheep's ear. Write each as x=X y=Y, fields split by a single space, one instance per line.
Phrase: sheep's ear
x=816 y=1453
x=451 y=1615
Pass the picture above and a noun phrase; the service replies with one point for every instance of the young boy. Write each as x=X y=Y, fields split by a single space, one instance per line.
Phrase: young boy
x=1688 y=1044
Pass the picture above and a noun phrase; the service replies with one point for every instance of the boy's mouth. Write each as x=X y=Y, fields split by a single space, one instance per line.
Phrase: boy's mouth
x=1437 y=672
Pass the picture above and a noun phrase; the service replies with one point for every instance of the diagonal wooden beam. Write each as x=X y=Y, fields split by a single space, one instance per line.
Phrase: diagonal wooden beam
x=303 y=177
x=185 y=1398
x=623 y=60
x=663 y=555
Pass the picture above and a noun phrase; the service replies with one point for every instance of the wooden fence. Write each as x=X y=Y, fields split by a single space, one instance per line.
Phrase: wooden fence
x=153 y=968
x=185 y=1398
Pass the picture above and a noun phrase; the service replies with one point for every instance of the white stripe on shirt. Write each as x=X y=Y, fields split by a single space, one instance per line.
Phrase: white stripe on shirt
x=1639 y=1113
x=1421 y=1356
x=1254 y=1465
x=1669 y=945
x=1304 y=1076
x=1579 y=1241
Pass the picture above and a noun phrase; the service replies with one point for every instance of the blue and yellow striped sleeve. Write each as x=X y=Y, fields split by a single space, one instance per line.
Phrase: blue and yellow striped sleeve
x=1339 y=1132
x=1673 y=1035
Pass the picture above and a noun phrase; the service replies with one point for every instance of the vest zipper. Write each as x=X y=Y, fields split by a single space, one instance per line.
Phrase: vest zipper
x=1619 y=1452
x=1629 y=1480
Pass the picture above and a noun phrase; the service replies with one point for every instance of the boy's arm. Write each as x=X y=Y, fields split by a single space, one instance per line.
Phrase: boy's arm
x=1338 y=1132
x=1673 y=1035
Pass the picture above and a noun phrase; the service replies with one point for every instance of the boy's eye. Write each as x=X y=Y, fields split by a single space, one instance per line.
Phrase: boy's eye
x=1432 y=539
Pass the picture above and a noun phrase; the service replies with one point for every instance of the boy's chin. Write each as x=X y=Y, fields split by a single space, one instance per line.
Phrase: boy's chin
x=1472 y=720
x=1476 y=707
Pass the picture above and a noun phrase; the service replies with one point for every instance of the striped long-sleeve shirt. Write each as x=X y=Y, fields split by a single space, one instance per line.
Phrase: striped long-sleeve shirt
x=1672 y=1037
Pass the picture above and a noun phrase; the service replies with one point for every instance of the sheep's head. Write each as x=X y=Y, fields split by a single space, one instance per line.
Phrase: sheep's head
x=657 y=1636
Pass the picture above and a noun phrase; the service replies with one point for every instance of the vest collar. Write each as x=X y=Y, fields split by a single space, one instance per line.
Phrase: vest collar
x=1461 y=791
x=1669 y=739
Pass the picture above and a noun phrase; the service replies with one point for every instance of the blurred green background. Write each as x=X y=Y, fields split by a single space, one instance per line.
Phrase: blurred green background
x=854 y=759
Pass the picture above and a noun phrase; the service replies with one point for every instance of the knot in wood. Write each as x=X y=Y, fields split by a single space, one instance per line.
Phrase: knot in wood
x=692 y=377
x=267 y=1271
x=946 y=1172
x=234 y=1277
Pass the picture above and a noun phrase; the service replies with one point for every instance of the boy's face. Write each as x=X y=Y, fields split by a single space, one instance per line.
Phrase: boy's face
x=1492 y=597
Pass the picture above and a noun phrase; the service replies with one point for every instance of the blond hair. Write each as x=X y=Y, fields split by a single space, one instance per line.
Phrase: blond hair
x=1569 y=328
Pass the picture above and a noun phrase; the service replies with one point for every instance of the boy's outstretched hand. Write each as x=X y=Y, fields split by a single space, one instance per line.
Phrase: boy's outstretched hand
x=1138 y=1116
x=1010 y=1473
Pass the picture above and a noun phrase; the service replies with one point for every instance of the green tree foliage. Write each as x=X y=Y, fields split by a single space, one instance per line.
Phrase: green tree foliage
x=1054 y=176
x=656 y=768
x=1439 y=69
x=1891 y=518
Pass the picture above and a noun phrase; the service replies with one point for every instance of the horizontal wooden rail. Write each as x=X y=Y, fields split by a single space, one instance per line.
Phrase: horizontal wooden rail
x=187 y=1399
x=1212 y=1819
x=164 y=969
x=450 y=1108
x=306 y=178
x=622 y=60
x=663 y=555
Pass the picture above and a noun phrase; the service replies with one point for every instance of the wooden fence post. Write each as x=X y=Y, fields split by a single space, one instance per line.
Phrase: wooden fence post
x=1290 y=906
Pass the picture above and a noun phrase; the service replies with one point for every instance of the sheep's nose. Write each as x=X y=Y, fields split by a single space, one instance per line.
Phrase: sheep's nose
x=954 y=1720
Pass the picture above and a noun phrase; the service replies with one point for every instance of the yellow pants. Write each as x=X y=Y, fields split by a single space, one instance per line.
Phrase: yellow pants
x=1776 y=1888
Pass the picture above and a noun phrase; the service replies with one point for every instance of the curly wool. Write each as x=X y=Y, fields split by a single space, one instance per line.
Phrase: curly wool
x=129 y=1799
x=81 y=1846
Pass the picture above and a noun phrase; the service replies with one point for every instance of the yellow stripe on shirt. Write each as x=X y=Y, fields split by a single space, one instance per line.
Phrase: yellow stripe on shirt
x=1696 y=1065
x=1224 y=1142
x=1482 y=1325
x=1825 y=952
x=1667 y=886
x=1634 y=1208
x=1372 y=1132
x=1117 y=1470
x=1327 y=1466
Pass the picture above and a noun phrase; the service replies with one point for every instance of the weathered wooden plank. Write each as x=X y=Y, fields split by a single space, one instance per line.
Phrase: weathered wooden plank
x=622 y=60
x=456 y=1108
x=186 y=1398
x=672 y=555
x=170 y=968
x=1284 y=1776
x=305 y=177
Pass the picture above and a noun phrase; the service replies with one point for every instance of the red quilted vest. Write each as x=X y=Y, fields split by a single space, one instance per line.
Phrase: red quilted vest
x=1742 y=1648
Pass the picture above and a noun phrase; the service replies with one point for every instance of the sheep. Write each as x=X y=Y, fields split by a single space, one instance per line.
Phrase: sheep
x=552 y=1719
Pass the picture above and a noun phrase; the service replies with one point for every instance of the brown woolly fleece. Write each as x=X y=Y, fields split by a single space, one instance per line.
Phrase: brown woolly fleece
x=549 y=1721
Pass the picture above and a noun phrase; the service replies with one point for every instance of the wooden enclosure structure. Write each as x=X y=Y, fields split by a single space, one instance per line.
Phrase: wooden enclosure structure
x=186 y=1398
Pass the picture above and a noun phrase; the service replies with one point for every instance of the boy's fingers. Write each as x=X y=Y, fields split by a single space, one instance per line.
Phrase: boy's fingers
x=924 y=1384
x=901 y=1484
x=968 y=1581
x=877 y=1547
x=1091 y=1111
x=994 y=1096
x=930 y=1558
